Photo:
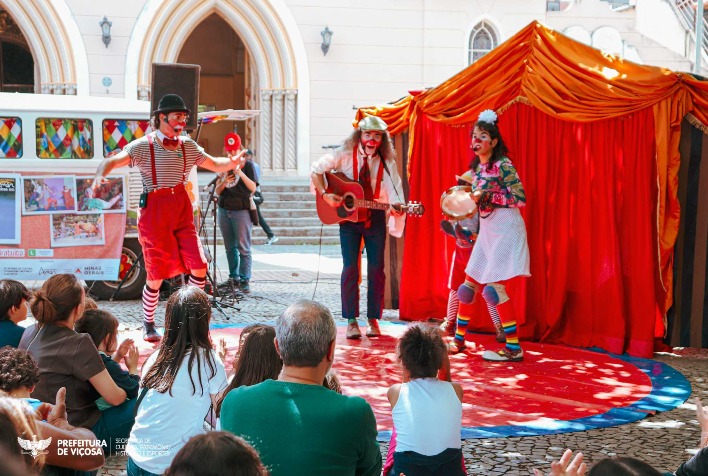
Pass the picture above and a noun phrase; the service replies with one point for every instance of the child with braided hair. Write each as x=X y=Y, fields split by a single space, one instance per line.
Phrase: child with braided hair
x=501 y=253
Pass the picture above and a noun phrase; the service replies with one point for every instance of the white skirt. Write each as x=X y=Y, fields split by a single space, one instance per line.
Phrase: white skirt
x=501 y=251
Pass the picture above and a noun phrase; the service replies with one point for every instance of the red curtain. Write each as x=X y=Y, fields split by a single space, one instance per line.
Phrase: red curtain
x=590 y=218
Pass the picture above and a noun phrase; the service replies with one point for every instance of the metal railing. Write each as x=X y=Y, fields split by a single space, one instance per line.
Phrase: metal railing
x=686 y=12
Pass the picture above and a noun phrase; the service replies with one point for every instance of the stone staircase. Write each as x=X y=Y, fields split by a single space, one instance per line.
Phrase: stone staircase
x=290 y=211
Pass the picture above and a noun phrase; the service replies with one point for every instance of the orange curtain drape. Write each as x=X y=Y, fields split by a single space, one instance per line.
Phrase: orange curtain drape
x=573 y=82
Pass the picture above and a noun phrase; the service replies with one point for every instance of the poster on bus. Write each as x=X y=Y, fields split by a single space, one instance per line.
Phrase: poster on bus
x=109 y=197
x=52 y=240
x=10 y=209
x=48 y=194
x=77 y=230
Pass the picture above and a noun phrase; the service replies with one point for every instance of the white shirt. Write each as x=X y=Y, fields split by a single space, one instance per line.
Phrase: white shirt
x=391 y=185
x=166 y=422
x=427 y=417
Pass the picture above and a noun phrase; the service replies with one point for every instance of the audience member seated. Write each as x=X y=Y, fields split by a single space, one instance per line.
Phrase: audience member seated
x=427 y=412
x=18 y=420
x=696 y=466
x=257 y=359
x=217 y=453
x=68 y=359
x=180 y=381
x=13 y=310
x=18 y=375
x=298 y=426
x=116 y=422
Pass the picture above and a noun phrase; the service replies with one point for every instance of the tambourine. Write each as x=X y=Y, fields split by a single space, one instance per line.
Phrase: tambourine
x=457 y=204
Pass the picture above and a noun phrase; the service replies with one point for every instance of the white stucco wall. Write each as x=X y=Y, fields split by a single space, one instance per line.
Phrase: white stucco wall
x=380 y=49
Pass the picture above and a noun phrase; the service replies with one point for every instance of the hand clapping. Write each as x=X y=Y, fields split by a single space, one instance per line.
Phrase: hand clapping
x=566 y=467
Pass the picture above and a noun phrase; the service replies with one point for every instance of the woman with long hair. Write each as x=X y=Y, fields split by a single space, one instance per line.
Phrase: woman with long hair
x=180 y=382
x=70 y=359
x=257 y=359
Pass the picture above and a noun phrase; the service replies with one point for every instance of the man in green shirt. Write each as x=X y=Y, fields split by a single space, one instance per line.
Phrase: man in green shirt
x=297 y=426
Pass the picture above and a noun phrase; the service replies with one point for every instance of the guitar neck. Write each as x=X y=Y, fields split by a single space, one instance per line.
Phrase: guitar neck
x=371 y=204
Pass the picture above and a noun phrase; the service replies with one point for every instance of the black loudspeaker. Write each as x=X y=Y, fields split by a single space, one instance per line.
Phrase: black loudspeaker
x=180 y=79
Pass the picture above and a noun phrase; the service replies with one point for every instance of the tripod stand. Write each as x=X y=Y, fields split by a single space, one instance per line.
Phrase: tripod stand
x=211 y=277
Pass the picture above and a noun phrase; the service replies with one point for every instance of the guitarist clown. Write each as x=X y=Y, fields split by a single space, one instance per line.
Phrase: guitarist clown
x=359 y=159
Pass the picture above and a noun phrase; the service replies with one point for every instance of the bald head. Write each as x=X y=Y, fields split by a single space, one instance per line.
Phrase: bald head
x=305 y=331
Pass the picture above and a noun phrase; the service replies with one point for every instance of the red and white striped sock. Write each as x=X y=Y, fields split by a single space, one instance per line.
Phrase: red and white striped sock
x=150 y=299
x=494 y=314
x=453 y=304
x=197 y=282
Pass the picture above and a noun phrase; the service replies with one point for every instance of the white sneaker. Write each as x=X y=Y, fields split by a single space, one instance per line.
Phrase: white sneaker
x=271 y=240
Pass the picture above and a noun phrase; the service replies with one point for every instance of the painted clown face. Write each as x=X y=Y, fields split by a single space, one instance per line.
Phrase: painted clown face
x=482 y=143
x=371 y=141
x=176 y=122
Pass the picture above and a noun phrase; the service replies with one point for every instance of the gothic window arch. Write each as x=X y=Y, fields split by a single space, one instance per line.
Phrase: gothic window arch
x=483 y=39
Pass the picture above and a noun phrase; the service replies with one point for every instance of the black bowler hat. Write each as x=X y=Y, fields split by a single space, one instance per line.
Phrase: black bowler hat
x=171 y=103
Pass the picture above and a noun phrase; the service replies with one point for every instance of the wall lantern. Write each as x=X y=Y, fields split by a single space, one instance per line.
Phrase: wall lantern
x=326 y=39
x=106 y=30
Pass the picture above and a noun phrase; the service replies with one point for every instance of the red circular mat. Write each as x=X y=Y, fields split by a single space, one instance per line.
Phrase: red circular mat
x=552 y=383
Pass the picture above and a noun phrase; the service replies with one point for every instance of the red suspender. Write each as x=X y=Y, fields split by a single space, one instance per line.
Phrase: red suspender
x=152 y=160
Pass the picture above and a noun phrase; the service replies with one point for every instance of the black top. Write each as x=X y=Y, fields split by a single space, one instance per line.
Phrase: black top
x=235 y=196
x=128 y=382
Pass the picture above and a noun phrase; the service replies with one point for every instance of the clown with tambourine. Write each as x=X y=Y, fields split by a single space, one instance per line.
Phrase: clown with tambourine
x=500 y=256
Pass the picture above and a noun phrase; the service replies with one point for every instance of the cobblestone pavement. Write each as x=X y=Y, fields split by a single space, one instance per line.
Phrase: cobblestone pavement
x=283 y=275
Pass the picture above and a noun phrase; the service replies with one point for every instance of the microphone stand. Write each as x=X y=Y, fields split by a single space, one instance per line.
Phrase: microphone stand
x=218 y=305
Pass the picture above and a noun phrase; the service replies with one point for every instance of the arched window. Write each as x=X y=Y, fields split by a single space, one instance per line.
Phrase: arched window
x=483 y=39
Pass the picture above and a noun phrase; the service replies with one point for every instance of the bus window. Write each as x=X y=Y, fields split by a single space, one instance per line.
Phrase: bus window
x=10 y=137
x=117 y=133
x=64 y=138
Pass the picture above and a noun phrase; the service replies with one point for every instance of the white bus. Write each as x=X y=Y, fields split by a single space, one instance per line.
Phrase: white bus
x=72 y=135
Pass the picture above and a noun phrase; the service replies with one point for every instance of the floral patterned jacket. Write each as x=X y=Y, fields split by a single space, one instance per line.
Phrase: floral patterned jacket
x=501 y=184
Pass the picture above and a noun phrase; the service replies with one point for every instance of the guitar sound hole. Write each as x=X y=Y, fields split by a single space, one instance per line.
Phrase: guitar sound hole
x=348 y=202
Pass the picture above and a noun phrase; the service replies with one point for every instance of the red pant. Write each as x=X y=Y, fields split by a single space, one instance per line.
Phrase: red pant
x=166 y=232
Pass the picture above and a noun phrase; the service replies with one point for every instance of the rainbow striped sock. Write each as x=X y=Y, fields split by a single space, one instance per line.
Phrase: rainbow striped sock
x=461 y=330
x=512 y=338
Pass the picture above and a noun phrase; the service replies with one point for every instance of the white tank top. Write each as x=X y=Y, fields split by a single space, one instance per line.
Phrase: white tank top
x=427 y=417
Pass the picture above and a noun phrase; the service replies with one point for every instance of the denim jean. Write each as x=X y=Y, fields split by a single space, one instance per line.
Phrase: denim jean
x=135 y=470
x=115 y=422
x=350 y=236
x=236 y=227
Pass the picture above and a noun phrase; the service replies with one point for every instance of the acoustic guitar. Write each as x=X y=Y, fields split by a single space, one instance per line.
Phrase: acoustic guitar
x=354 y=205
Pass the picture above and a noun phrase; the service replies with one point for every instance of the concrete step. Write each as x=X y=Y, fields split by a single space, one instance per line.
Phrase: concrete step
x=288 y=220
x=298 y=240
x=282 y=196
x=288 y=205
x=287 y=196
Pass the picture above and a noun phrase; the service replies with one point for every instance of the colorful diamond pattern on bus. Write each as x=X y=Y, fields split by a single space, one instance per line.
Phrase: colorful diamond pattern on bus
x=64 y=138
x=117 y=133
x=10 y=137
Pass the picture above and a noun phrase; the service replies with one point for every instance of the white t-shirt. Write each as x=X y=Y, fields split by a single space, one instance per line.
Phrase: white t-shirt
x=427 y=417
x=165 y=422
